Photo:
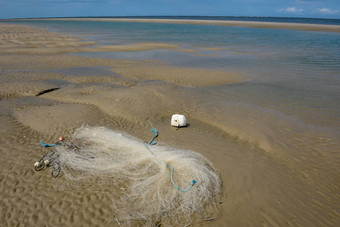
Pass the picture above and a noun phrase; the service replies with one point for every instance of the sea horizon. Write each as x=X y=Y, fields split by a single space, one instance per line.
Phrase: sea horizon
x=305 y=20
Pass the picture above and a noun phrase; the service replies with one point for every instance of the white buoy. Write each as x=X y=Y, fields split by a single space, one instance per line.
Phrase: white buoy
x=178 y=120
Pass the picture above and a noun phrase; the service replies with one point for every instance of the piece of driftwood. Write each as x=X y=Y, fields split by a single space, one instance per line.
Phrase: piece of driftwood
x=47 y=91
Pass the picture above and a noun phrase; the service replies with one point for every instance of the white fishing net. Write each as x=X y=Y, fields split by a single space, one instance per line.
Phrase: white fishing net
x=137 y=176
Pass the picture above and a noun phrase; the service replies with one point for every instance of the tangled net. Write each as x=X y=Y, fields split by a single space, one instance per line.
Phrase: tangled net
x=138 y=177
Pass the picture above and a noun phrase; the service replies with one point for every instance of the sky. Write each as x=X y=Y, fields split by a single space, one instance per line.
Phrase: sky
x=76 y=8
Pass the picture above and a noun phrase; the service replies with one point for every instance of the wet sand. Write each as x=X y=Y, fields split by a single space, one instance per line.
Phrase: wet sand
x=266 y=181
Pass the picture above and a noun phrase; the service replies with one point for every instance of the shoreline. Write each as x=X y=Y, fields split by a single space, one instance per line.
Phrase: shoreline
x=251 y=24
x=37 y=42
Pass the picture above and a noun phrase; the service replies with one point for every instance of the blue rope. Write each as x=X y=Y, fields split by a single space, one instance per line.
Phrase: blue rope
x=193 y=182
x=156 y=135
x=47 y=145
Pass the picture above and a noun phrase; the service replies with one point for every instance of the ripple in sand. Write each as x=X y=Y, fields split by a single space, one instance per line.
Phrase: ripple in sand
x=58 y=119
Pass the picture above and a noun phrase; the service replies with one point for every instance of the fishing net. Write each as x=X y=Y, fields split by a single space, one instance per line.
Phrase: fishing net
x=147 y=184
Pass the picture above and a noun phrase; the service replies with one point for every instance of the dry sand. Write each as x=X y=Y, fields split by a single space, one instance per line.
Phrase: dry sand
x=264 y=184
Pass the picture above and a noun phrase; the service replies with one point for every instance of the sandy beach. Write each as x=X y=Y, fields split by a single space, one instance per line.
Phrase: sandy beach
x=266 y=184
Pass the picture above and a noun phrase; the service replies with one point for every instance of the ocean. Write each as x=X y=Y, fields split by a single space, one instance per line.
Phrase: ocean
x=287 y=110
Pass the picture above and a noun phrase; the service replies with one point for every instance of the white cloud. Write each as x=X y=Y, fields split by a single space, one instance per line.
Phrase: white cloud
x=291 y=10
x=328 y=11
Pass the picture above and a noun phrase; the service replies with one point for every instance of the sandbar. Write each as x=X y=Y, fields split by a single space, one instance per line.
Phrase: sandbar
x=253 y=24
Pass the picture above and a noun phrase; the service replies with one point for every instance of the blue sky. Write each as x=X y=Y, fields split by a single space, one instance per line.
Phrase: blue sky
x=65 y=8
